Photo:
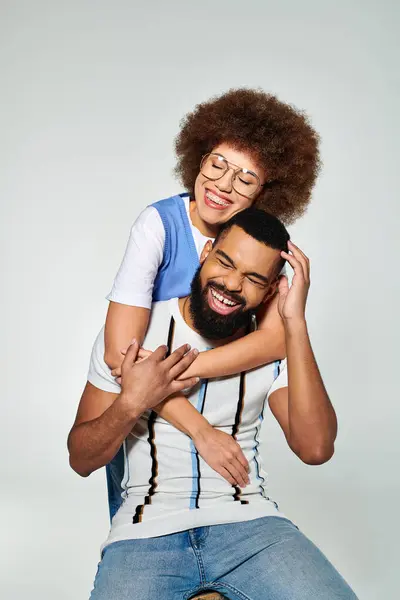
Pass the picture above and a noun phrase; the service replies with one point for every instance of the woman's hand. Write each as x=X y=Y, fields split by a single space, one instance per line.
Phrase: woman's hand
x=223 y=454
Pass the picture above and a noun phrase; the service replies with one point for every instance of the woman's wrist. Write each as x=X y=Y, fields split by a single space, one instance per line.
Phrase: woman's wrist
x=198 y=429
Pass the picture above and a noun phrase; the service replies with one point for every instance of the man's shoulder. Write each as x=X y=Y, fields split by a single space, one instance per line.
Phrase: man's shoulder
x=160 y=321
x=164 y=307
x=99 y=373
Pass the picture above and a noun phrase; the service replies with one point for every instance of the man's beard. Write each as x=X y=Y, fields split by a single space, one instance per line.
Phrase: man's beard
x=208 y=322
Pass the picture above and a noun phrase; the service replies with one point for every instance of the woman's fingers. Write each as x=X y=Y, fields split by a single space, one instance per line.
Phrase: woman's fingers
x=238 y=472
x=241 y=458
x=226 y=475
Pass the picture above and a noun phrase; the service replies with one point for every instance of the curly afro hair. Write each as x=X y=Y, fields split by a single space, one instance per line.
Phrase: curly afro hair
x=278 y=137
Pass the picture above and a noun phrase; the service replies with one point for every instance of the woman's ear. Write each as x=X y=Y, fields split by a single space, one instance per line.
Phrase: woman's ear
x=206 y=251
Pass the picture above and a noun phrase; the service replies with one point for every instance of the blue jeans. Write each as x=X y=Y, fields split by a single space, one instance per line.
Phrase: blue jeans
x=263 y=559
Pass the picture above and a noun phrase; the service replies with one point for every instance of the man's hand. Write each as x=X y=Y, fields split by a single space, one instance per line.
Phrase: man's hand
x=292 y=301
x=223 y=454
x=141 y=355
x=147 y=383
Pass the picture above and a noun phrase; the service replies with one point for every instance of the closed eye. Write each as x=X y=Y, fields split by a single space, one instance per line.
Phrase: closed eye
x=256 y=282
x=224 y=264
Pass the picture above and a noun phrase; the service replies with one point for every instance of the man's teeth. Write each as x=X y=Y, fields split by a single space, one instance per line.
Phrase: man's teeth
x=222 y=299
x=216 y=199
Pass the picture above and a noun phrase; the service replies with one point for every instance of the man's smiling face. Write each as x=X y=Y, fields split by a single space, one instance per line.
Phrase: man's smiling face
x=237 y=275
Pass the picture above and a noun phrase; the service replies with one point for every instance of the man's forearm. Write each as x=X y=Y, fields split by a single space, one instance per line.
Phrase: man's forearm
x=312 y=419
x=94 y=443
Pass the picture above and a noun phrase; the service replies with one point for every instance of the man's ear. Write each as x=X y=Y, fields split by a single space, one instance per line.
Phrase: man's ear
x=206 y=251
x=271 y=290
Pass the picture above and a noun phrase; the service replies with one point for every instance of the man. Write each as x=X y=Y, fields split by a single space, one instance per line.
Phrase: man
x=182 y=527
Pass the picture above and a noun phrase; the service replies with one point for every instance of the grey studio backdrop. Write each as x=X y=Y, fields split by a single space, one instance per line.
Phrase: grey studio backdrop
x=92 y=94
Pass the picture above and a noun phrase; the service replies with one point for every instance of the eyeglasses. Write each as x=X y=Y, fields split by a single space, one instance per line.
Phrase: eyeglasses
x=244 y=182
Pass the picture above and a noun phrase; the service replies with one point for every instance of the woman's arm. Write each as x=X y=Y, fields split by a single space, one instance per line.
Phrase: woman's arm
x=123 y=323
x=132 y=290
x=219 y=449
x=128 y=317
x=257 y=348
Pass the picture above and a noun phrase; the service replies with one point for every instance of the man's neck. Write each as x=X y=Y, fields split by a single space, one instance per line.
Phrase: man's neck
x=184 y=307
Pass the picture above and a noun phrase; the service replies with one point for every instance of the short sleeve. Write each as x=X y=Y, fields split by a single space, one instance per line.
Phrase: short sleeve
x=134 y=282
x=281 y=377
x=99 y=372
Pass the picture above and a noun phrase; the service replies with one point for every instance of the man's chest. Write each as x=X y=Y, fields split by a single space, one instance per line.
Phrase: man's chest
x=224 y=401
x=233 y=401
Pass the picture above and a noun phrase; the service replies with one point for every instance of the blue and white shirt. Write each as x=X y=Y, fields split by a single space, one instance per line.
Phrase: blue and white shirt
x=167 y=486
x=161 y=256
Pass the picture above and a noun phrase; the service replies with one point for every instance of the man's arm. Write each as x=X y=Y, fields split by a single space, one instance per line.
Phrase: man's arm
x=102 y=423
x=107 y=414
x=303 y=408
x=104 y=419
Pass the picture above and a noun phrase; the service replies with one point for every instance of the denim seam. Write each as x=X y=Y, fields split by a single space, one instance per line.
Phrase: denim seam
x=216 y=586
x=233 y=589
x=199 y=560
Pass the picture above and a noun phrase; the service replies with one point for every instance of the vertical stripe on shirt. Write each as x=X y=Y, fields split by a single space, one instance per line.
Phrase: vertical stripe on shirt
x=239 y=409
x=277 y=369
x=236 y=425
x=196 y=474
x=137 y=518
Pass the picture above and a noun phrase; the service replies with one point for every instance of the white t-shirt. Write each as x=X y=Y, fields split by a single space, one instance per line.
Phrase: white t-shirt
x=133 y=284
x=167 y=485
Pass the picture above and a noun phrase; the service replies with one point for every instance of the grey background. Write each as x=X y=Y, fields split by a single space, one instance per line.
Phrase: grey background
x=91 y=98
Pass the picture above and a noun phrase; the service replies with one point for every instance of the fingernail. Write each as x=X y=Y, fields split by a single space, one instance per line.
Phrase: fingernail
x=195 y=351
x=133 y=341
x=188 y=346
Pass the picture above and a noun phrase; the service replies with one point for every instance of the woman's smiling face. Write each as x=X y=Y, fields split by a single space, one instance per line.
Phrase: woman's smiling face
x=217 y=200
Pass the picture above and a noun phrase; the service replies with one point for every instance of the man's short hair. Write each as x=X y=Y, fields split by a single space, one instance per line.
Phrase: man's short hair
x=260 y=225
